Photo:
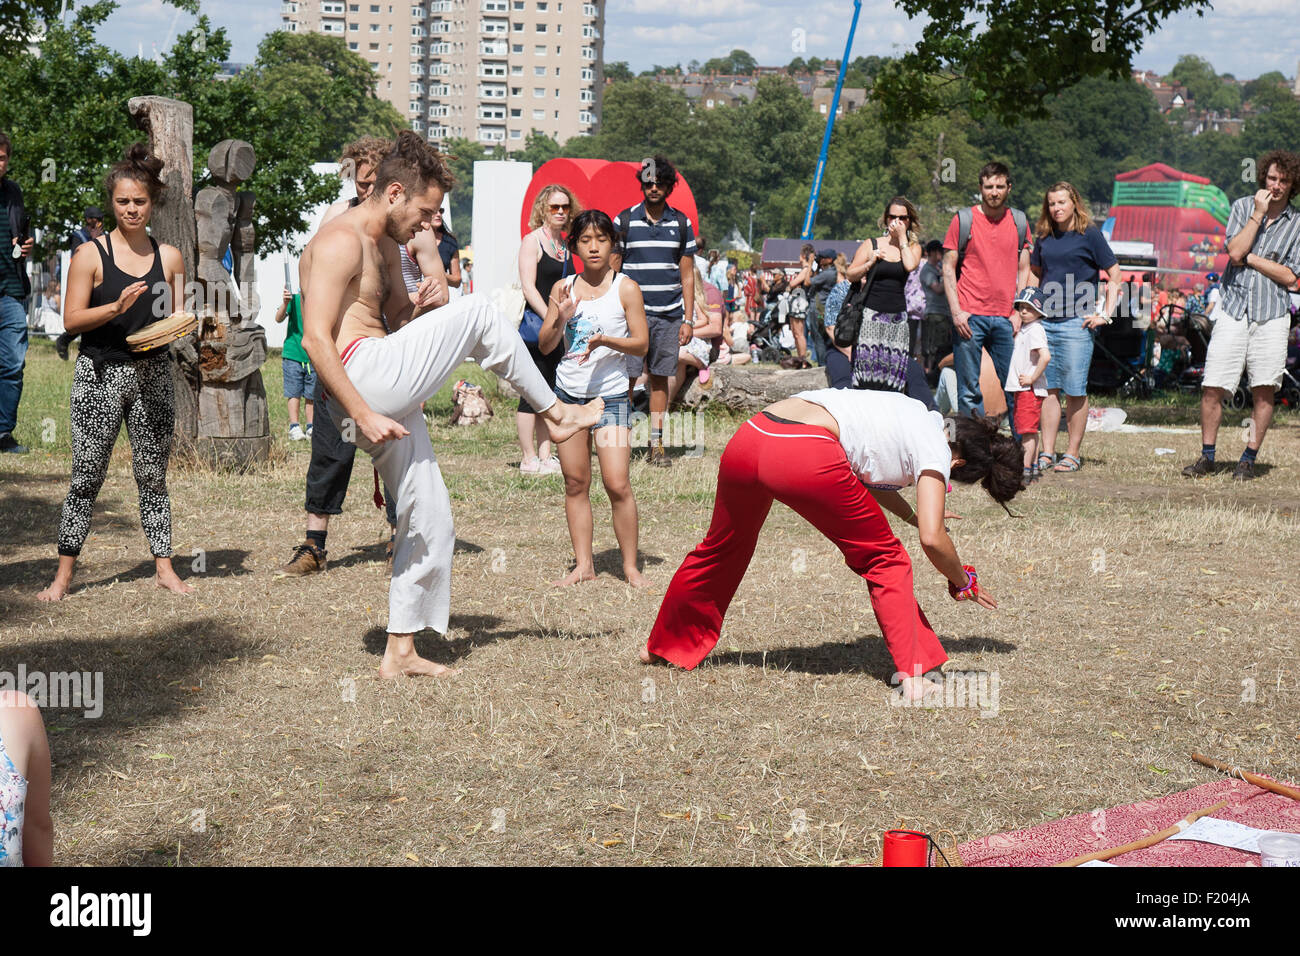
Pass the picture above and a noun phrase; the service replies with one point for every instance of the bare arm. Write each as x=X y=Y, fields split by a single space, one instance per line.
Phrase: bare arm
x=559 y=310
x=862 y=262
x=895 y=504
x=686 y=267
x=1273 y=270
x=938 y=547
x=911 y=256
x=1022 y=270
x=283 y=310
x=638 y=331
x=528 y=257
x=1239 y=245
x=712 y=325
x=429 y=263
x=453 y=276
x=78 y=316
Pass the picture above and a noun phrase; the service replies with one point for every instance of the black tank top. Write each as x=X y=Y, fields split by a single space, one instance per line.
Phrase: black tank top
x=887 y=288
x=550 y=271
x=107 y=343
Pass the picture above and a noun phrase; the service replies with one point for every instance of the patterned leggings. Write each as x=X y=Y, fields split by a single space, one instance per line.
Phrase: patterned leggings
x=141 y=393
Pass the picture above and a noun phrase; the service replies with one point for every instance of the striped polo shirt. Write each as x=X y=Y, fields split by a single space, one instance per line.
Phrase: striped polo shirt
x=652 y=257
x=1247 y=291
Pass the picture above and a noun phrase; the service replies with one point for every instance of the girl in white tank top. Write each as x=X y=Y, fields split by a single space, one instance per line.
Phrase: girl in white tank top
x=600 y=317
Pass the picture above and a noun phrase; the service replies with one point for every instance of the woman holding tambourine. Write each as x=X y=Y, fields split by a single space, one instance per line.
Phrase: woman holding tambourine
x=118 y=285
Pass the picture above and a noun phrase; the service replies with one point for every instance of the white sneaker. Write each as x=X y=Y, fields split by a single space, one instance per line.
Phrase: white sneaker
x=549 y=466
x=296 y=432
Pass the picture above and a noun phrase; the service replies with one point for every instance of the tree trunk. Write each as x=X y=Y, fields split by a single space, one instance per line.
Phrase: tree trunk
x=170 y=125
x=751 y=388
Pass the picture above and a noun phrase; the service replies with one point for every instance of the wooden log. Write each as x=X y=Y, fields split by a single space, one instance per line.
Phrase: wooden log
x=170 y=125
x=751 y=388
x=1146 y=841
x=1252 y=778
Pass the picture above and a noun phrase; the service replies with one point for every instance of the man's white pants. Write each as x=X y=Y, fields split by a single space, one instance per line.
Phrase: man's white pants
x=395 y=375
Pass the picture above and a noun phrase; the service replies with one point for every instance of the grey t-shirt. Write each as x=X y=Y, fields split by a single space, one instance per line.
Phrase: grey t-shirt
x=935 y=302
x=819 y=287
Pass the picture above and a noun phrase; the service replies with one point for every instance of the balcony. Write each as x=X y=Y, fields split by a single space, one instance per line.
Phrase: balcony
x=440 y=91
x=490 y=91
x=493 y=48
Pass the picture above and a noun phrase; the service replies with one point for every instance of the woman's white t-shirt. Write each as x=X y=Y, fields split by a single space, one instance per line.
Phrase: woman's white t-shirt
x=1031 y=336
x=888 y=438
x=605 y=371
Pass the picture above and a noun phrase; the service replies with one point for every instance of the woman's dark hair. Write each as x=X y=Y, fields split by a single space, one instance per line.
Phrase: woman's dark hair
x=139 y=166
x=992 y=459
x=594 y=219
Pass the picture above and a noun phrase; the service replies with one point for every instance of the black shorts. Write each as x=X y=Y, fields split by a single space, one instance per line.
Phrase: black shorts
x=330 y=470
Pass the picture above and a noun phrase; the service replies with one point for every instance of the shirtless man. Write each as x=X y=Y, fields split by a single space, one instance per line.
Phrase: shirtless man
x=352 y=281
x=330 y=469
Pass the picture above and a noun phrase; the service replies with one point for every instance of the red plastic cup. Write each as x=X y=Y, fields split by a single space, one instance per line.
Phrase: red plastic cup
x=906 y=848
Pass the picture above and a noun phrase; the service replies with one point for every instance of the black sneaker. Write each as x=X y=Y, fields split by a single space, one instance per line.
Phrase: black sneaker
x=11 y=447
x=1244 y=471
x=1199 y=469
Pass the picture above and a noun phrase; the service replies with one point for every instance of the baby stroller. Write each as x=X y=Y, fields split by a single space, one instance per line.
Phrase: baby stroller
x=1121 y=360
x=772 y=326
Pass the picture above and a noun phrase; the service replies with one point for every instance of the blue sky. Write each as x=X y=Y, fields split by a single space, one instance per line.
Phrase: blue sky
x=1242 y=37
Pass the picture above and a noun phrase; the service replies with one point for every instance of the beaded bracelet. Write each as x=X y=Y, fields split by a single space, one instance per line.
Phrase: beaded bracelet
x=970 y=591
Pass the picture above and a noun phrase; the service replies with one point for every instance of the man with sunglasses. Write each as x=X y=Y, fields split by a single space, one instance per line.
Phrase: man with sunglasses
x=659 y=256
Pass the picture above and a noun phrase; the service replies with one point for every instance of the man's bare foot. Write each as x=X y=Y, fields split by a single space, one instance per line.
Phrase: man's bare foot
x=915 y=688
x=171 y=582
x=636 y=578
x=394 y=666
x=55 y=592
x=573 y=417
x=574 y=576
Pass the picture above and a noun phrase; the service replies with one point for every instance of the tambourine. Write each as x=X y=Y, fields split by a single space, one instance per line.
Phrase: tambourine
x=163 y=332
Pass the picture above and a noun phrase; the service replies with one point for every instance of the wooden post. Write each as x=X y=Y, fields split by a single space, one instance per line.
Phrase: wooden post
x=170 y=125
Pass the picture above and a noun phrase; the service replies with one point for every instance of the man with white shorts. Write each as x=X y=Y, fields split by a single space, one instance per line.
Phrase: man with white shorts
x=352 y=281
x=1252 y=318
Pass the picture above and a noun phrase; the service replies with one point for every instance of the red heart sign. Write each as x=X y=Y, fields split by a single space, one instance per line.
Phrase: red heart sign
x=600 y=184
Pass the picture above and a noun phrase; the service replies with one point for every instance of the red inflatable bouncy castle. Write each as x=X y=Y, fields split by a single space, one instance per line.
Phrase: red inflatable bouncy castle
x=1182 y=214
x=600 y=184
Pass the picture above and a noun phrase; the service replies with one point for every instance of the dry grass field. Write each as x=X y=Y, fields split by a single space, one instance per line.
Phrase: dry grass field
x=1142 y=617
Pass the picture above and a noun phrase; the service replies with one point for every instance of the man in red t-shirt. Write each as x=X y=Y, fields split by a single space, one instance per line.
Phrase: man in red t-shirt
x=994 y=264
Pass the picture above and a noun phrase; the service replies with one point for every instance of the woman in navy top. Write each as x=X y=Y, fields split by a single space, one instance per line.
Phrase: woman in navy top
x=1069 y=256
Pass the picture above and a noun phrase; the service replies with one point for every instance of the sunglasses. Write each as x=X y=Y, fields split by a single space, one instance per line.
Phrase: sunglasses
x=559 y=207
x=891 y=217
x=655 y=185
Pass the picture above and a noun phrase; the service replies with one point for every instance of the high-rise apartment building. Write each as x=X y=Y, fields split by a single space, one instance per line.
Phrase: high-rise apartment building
x=487 y=70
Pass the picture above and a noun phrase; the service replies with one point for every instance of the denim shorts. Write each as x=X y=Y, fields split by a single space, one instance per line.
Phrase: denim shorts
x=1071 y=347
x=618 y=410
x=299 y=379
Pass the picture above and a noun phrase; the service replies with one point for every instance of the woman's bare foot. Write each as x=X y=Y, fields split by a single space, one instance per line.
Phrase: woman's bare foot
x=575 y=576
x=916 y=688
x=55 y=592
x=636 y=578
x=400 y=659
x=170 y=582
x=648 y=658
x=571 y=418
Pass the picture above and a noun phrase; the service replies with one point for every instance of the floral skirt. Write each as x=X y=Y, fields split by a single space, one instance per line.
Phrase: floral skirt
x=880 y=356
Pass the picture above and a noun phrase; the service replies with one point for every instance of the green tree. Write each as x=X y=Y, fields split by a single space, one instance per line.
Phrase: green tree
x=618 y=71
x=1265 y=81
x=1013 y=54
x=1197 y=75
x=324 y=79
x=66 y=111
x=538 y=149
x=797 y=65
x=742 y=63
x=1226 y=98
